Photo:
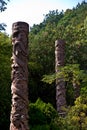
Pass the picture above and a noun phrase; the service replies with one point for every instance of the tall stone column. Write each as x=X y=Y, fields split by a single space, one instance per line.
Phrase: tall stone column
x=76 y=90
x=60 y=84
x=19 y=76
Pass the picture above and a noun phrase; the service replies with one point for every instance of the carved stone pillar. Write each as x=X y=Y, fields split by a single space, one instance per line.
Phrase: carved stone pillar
x=19 y=76
x=60 y=84
x=76 y=90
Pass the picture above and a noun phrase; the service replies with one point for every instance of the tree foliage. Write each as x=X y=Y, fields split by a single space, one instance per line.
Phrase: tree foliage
x=5 y=81
x=3 y=4
x=70 y=26
x=41 y=114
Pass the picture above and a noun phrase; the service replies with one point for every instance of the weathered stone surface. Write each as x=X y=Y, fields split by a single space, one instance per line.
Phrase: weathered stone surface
x=76 y=90
x=60 y=84
x=19 y=76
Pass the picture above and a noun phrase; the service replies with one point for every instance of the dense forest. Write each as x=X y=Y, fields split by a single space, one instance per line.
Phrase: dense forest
x=71 y=26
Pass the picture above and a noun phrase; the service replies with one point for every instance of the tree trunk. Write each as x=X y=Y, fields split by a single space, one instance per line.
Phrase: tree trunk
x=19 y=76
x=60 y=84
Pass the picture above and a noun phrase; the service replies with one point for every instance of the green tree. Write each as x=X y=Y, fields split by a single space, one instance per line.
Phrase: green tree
x=68 y=25
x=3 y=4
x=41 y=115
x=77 y=116
x=5 y=81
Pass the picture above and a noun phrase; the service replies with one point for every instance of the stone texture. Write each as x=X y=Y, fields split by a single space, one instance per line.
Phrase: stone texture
x=76 y=90
x=60 y=84
x=19 y=76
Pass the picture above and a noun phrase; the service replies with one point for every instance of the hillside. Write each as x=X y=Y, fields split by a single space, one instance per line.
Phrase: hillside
x=71 y=26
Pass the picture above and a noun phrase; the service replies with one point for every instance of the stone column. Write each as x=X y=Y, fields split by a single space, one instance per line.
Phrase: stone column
x=60 y=84
x=19 y=76
x=76 y=90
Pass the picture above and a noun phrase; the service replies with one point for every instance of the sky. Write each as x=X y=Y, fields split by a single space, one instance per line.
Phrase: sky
x=32 y=11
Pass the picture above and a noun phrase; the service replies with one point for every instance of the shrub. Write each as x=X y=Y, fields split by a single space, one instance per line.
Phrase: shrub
x=40 y=127
x=41 y=115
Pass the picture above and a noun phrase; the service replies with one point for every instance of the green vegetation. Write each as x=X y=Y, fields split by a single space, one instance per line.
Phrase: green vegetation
x=44 y=116
x=3 y=4
x=41 y=115
x=5 y=80
x=70 y=26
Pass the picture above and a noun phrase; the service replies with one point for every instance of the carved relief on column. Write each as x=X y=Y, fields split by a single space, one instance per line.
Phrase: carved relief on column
x=60 y=84
x=19 y=76
x=76 y=90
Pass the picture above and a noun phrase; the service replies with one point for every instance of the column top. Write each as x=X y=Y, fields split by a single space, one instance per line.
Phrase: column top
x=20 y=26
x=59 y=42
